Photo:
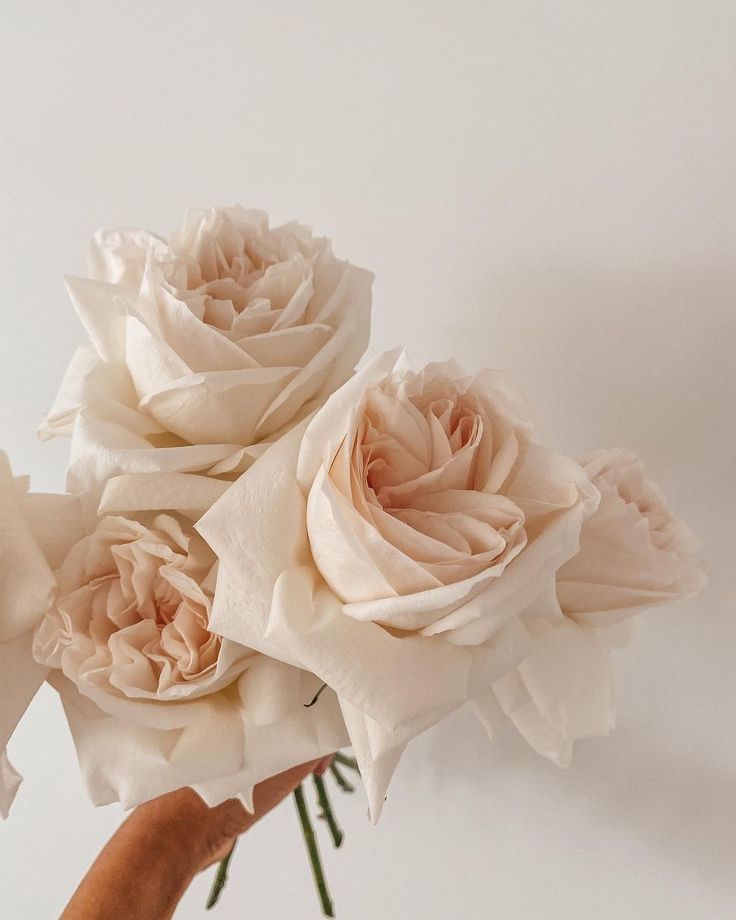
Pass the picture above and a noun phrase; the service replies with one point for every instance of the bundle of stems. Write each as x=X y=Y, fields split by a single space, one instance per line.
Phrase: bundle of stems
x=325 y=814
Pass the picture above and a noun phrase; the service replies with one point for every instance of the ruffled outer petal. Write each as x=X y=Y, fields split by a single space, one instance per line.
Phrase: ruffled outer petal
x=26 y=581
x=634 y=554
x=35 y=531
x=10 y=780
x=222 y=746
x=561 y=692
x=204 y=349
x=391 y=685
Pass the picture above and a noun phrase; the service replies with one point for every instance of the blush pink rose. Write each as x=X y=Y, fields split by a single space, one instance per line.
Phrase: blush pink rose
x=205 y=348
x=155 y=699
x=634 y=554
x=390 y=545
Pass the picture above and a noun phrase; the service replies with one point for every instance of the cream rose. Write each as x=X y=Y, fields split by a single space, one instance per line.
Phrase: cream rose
x=154 y=699
x=26 y=592
x=634 y=554
x=390 y=545
x=205 y=348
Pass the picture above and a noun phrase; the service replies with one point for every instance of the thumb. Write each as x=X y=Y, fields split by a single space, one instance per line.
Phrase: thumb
x=227 y=821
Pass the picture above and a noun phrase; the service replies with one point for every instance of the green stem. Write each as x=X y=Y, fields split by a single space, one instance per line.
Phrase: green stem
x=346 y=761
x=328 y=814
x=340 y=778
x=310 y=841
x=220 y=879
x=316 y=696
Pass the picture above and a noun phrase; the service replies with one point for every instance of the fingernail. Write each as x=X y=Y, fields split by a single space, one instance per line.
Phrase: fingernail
x=323 y=766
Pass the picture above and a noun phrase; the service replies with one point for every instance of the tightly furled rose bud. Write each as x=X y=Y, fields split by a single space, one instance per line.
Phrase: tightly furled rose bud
x=173 y=703
x=390 y=545
x=205 y=348
x=634 y=554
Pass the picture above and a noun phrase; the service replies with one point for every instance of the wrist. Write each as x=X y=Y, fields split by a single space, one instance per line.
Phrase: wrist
x=172 y=830
x=146 y=865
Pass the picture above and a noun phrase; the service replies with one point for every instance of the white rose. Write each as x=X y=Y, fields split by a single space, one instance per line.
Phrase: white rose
x=390 y=544
x=26 y=591
x=634 y=554
x=205 y=348
x=154 y=699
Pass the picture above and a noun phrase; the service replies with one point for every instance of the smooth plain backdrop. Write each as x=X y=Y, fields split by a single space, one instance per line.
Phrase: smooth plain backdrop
x=544 y=187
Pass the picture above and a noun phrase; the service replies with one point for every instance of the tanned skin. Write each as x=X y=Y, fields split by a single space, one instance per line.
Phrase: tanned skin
x=149 y=862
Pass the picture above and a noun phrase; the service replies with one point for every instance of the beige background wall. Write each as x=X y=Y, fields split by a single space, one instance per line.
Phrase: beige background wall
x=547 y=187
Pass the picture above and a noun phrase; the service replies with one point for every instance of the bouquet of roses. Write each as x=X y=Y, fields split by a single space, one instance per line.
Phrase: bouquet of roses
x=265 y=556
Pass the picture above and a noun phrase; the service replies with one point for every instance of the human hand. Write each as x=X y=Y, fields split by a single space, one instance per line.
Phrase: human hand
x=147 y=865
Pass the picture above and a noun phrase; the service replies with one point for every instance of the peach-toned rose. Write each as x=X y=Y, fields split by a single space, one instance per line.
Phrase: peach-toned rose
x=130 y=633
x=132 y=614
x=205 y=348
x=390 y=545
x=634 y=554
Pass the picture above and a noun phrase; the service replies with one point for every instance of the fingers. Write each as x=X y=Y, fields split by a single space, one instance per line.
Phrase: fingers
x=232 y=818
x=323 y=766
x=208 y=833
